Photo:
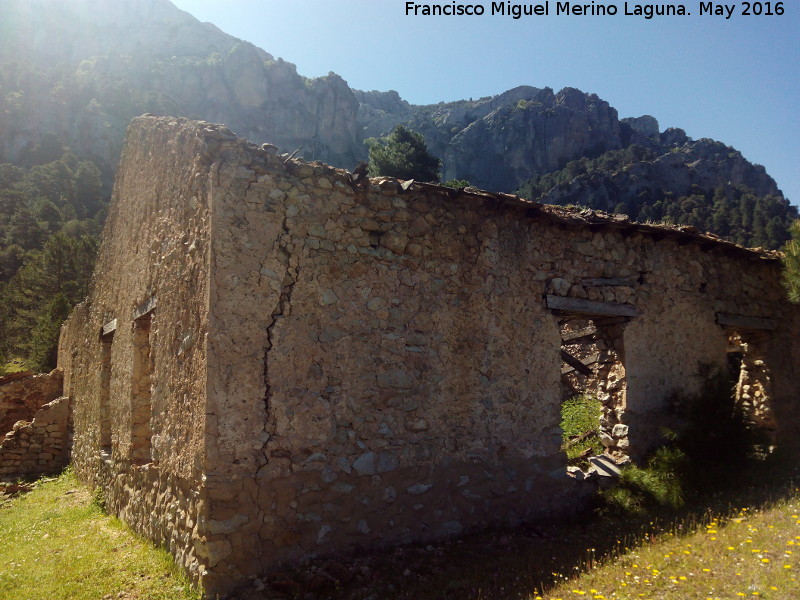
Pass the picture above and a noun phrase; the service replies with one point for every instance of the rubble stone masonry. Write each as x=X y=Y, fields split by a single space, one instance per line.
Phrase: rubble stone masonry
x=276 y=361
x=22 y=394
x=35 y=423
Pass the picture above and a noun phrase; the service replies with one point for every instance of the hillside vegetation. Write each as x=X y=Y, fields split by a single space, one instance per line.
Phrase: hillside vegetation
x=53 y=207
x=683 y=185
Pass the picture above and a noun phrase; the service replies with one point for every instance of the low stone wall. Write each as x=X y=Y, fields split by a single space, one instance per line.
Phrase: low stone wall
x=21 y=395
x=39 y=446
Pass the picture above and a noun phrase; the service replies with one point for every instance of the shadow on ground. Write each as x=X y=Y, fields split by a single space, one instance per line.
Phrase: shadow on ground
x=522 y=562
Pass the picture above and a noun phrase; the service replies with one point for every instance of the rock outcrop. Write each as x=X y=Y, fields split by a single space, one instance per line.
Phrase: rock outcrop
x=499 y=141
x=515 y=142
x=101 y=64
x=645 y=125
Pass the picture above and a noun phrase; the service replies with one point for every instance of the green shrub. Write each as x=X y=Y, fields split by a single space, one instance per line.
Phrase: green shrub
x=712 y=449
x=580 y=423
x=658 y=484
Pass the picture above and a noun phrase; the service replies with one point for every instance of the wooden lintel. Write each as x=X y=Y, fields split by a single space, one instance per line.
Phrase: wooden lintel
x=745 y=322
x=612 y=281
x=581 y=437
x=590 y=307
x=108 y=328
x=572 y=336
x=145 y=308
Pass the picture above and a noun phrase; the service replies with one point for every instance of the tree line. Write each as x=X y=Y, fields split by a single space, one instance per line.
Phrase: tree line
x=52 y=211
x=735 y=212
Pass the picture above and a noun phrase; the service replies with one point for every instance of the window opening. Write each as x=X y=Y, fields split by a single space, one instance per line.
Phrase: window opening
x=105 y=393
x=141 y=391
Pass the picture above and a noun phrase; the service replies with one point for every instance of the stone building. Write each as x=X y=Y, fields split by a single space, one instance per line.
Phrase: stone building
x=278 y=360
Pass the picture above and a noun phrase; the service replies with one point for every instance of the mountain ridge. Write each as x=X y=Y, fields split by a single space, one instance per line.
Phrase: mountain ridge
x=74 y=74
x=168 y=62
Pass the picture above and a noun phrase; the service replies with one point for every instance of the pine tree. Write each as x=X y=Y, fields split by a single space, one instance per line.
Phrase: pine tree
x=38 y=298
x=791 y=263
x=402 y=154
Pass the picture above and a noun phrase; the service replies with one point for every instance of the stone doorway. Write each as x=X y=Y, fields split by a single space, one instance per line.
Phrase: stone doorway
x=593 y=373
x=750 y=373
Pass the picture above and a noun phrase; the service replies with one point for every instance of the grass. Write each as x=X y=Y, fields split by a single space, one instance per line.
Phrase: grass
x=639 y=490
x=12 y=366
x=58 y=544
x=749 y=553
x=580 y=423
x=745 y=541
x=691 y=524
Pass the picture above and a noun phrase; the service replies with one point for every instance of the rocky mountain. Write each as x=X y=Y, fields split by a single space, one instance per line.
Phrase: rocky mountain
x=499 y=141
x=670 y=177
x=73 y=73
x=80 y=70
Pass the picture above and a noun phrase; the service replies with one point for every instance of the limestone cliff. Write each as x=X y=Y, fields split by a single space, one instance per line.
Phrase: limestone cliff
x=499 y=141
x=82 y=69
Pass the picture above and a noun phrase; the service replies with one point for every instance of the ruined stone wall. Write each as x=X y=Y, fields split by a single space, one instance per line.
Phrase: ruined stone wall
x=39 y=446
x=22 y=395
x=340 y=364
x=383 y=366
x=134 y=351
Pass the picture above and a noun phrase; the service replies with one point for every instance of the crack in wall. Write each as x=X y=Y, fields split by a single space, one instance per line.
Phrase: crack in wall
x=282 y=309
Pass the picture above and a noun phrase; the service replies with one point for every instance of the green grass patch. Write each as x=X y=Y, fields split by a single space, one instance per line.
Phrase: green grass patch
x=641 y=490
x=580 y=422
x=12 y=366
x=57 y=543
x=745 y=553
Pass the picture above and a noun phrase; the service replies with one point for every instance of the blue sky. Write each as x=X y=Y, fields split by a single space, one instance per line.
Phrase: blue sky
x=736 y=80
